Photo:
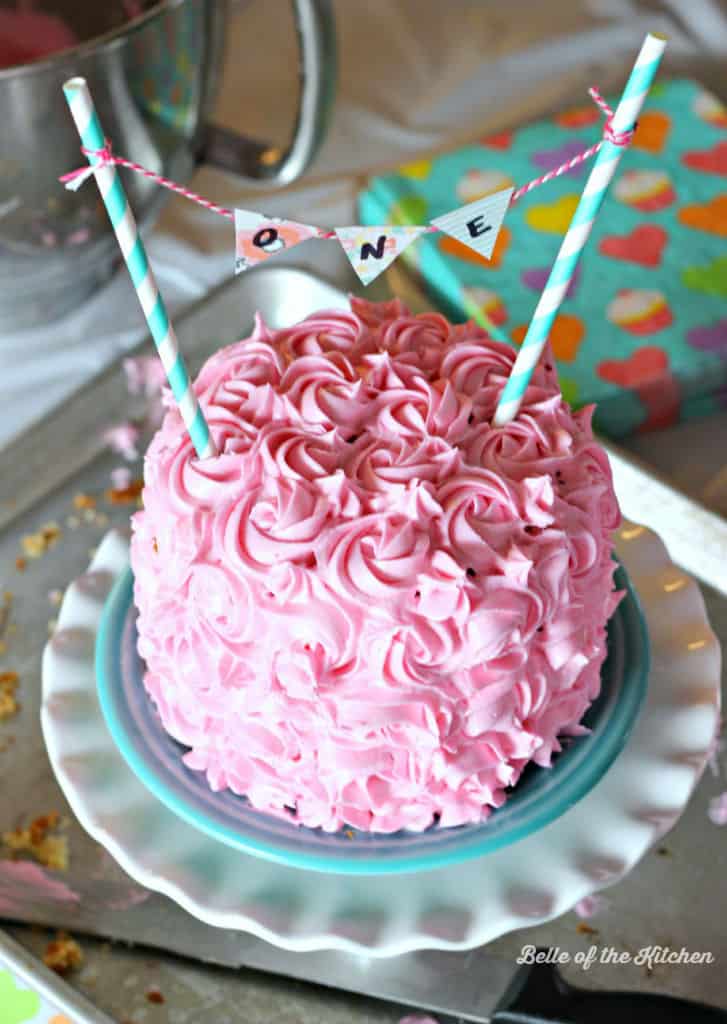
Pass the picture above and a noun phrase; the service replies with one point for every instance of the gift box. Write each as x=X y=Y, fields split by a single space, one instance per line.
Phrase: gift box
x=643 y=331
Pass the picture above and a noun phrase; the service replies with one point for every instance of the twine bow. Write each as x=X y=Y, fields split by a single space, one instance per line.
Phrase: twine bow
x=609 y=134
x=74 y=179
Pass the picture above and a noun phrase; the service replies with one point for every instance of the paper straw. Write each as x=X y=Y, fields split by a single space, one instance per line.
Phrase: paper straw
x=122 y=219
x=576 y=237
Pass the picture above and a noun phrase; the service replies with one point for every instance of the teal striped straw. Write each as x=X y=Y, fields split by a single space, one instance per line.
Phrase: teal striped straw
x=576 y=237
x=86 y=120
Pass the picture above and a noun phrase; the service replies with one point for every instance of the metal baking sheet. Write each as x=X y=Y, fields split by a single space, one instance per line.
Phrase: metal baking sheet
x=669 y=899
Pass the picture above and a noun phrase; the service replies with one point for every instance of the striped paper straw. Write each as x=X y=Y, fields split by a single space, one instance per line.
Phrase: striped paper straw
x=86 y=120
x=576 y=237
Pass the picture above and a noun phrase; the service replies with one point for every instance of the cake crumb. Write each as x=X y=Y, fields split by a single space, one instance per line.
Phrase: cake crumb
x=84 y=501
x=5 y=608
x=585 y=929
x=349 y=834
x=63 y=954
x=50 y=851
x=55 y=597
x=125 y=495
x=8 y=685
x=155 y=996
x=73 y=522
x=36 y=544
x=8 y=705
x=20 y=564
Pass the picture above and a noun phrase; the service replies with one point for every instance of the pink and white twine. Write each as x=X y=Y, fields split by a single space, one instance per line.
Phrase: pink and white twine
x=74 y=179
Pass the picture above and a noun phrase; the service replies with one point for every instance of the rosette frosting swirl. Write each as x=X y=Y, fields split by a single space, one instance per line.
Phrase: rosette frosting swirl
x=373 y=608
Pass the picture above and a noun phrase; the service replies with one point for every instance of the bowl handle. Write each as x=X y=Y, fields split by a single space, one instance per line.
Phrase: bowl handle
x=249 y=158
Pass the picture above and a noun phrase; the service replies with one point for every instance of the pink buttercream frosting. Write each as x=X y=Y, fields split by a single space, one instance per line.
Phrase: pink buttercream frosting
x=373 y=608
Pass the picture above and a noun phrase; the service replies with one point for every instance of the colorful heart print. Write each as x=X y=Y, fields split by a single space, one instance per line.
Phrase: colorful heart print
x=647 y=191
x=537 y=278
x=549 y=159
x=710 y=109
x=17 y=1005
x=710 y=338
x=710 y=217
x=643 y=245
x=652 y=131
x=476 y=184
x=647 y=373
x=640 y=311
x=451 y=247
x=569 y=390
x=553 y=217
x=501 y=140
x=578 y=117
x=419 y=170
x=711 y=161
x=486 y=301
x=565 y=336
x=644 y=366
x=408 y=210
x=710 y=278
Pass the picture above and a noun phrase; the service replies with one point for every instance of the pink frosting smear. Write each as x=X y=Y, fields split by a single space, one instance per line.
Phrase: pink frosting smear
x=123 y=439
x=373 y=608
x=589 y=906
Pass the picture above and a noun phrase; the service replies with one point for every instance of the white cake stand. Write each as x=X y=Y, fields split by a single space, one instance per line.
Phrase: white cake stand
x=591 y=846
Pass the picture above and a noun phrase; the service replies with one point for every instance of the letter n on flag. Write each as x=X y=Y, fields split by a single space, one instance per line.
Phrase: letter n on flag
x=477 y=224
x=258 y=236
x=371 y=250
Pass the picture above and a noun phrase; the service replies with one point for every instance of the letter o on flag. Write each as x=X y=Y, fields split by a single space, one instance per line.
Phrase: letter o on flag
x=265 y=238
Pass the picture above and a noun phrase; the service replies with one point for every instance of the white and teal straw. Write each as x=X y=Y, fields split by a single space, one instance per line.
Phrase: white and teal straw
x=602 y=172
x=86 y=120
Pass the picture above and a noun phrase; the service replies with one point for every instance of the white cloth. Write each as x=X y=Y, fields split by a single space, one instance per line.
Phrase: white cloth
x=415 y=76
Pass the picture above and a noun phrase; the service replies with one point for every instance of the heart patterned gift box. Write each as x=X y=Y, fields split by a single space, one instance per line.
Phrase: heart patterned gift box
x=643 y=330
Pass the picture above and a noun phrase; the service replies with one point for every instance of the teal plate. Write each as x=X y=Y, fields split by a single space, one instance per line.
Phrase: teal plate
x=540 y=796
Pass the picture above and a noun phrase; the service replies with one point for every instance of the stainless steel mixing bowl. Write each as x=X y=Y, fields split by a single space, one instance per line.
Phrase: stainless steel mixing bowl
x=153 y=79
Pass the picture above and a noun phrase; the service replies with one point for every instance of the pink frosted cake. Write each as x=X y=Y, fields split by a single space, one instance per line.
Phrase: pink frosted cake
x=373 y=608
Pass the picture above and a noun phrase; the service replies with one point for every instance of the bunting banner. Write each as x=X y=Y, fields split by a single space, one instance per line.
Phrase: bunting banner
x=371 y=250
x=257 y=237
x=477 y=224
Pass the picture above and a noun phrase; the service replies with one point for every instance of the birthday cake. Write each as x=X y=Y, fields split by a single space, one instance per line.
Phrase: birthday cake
x=373 y=608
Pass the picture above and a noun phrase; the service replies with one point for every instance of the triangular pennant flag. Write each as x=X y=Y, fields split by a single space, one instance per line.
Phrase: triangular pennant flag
x=477 y=224
x=258 y=236
x=370 y=250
